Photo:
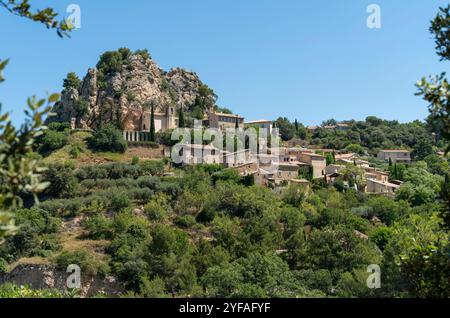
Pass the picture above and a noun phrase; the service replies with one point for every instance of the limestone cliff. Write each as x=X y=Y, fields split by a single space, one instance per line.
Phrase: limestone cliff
x=125 y=83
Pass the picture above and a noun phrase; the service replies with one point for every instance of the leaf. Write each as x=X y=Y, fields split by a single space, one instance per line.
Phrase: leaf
x=53 y=98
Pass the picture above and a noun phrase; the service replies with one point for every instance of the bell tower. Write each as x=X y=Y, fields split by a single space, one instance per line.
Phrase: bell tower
x=171 y=117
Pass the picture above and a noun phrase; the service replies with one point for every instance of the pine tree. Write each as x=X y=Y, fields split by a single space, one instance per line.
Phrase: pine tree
x=181 y=123
x=152 y=125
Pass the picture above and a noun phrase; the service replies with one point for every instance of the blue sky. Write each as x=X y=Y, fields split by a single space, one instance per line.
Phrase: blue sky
x=310 y=60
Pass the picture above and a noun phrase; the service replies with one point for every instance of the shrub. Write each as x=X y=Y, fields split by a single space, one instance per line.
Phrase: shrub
x=165 y=138
x=63 y=183
x=149 y=182
x=12 y=291
x=135 y=160
x=58 y=126
x=152 y=167
x=52 y=140
x=185 y=221
x=207 y=215
x=74 y=152
x=226 y=175
x=91 y=172
x=120 y=170
x=50 y=243
x=66 y=207
x=141 y=195
x=98 y=227
x=381 y=236
x=108 y=138
x=40 y=220
x=90 y=264
x=154 y=288
x=3 y=266
x=119 y=201
x=157 y=208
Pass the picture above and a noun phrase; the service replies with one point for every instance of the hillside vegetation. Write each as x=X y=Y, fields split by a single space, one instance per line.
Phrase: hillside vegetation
x=208 y=232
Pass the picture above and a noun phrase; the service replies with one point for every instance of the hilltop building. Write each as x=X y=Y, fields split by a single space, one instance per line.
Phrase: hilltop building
x=163 y=121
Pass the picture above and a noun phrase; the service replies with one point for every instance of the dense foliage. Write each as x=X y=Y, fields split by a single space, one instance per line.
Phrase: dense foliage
x=208 y=232
x=368 y=136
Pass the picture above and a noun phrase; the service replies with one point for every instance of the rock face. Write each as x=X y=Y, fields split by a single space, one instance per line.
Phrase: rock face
x=120 y=96
x=47 y=277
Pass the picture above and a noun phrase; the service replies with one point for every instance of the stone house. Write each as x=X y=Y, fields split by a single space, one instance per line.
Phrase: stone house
x=261 y=124
x=192 y=154
x=276 y=175
x=237 y=159
x=317 y=162
x=396 y=156
x=380 y=187
x=223 y=121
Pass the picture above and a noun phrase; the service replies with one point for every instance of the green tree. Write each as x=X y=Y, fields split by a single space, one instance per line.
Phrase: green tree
x=46 y=16
x=108 y=138
x=19 y=173
x=436 y=91
x=152 y=125
x=181 y=123
x=72 y=81
x=62 y=181
x=420 y=185
x=358 y=149
x=286 y=128
x=329 y=159
x=422 y=149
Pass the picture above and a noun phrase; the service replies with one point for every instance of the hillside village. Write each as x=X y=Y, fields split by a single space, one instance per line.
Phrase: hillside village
x=136 y=182
x=137 y=97
x=142 y=224
x=281 y=166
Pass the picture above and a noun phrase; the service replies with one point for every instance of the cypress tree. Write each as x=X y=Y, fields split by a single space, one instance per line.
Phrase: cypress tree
x=296 y=125
x=152 y=126
x=181 y=123
x=390 y=162
x=237 y=122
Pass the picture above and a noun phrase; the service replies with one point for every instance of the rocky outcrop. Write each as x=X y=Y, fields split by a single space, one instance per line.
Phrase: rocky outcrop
x=47 y=277
x=121 y=95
